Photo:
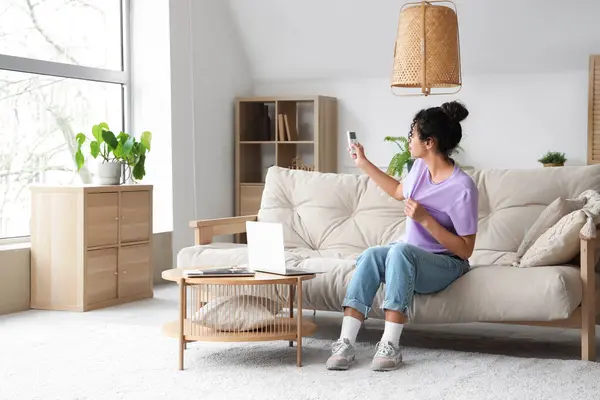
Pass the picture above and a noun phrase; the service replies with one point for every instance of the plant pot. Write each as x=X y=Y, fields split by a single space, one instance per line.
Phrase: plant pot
x=109 y=173
x=553 y=165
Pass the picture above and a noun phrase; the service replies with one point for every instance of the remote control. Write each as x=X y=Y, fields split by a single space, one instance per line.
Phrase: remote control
x=352 y=140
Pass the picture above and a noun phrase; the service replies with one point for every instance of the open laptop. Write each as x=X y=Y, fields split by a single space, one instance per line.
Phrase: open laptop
x=266 y=252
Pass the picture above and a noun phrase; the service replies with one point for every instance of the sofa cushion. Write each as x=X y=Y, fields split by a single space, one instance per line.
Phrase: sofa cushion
x=212 y=255
x=496 y=293
x=346 y=213
x=225 y=254
x=558 y=245
x=547 y=219
x=490 y=293
x=238 y=312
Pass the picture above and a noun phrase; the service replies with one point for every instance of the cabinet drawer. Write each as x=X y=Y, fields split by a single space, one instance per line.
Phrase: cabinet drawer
x=250 y=197
x=134 y=270
x=135 y=216
x=101 y=275
x=102 y=219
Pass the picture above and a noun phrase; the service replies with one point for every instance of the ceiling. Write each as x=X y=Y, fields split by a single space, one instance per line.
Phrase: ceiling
x=329 y=39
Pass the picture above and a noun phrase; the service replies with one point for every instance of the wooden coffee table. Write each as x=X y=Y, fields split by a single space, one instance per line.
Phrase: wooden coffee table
x=276 y=290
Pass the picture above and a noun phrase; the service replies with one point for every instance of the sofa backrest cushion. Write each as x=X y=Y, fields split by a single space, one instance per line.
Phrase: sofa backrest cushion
x=348 y=213
x=510 y=201
x=327 y=211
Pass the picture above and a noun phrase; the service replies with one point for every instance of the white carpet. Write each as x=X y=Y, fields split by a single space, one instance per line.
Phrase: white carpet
x=121 y=353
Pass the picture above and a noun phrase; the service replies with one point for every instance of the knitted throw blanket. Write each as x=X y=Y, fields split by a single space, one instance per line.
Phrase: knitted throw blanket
x=591 y=208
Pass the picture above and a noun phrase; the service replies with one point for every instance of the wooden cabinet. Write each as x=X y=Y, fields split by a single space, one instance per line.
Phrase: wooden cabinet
x=91 y=246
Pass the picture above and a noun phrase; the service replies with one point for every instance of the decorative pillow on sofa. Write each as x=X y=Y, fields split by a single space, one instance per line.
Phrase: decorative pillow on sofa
x=547 y=219
x=238 y=313
x=558 y=245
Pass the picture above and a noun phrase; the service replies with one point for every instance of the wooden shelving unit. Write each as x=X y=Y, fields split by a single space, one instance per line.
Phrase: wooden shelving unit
x=307 y=130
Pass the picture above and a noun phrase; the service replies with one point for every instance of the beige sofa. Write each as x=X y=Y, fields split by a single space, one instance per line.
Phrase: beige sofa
x=329 y=219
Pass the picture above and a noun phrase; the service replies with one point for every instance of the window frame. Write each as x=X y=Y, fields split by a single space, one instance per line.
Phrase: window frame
x=72 y=71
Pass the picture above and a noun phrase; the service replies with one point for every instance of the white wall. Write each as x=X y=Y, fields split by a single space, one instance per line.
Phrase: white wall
x=202 y=107
x=151 y=100
x=514 y=118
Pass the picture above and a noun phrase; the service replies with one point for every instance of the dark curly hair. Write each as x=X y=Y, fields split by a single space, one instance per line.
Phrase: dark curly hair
x=442 y=124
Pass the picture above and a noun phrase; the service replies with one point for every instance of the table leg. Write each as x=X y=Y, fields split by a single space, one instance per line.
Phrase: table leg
x=291 y=306
x=182 y=307
x=299 y=321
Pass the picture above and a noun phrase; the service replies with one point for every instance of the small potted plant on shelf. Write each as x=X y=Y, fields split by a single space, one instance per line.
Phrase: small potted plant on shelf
x=553 y=159
x=123 y=157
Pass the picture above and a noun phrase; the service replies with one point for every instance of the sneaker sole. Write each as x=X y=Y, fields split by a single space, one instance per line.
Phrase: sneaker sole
x=341 y=367
x=387 y=369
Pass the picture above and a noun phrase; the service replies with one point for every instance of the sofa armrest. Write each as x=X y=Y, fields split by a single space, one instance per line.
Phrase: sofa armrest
x=205 y=230
x=588 y=299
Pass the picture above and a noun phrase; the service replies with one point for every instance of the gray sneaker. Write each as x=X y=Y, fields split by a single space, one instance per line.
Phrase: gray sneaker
x=342 y=355
x=387 y=358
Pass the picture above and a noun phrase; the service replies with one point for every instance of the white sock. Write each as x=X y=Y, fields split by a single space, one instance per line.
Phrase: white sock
x=392 y=333
x=350 y=328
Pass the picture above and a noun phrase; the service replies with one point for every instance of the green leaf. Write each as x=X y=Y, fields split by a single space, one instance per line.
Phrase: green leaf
x=400 y=141
x=146 y=139
x=110 y=139
x=94 y=148
x=127 y=146
x=139 y=171
x=80 y=137
x=123 y=137
x=79 y=159
x=118 y=152
x=393 y=166
x=97 y=132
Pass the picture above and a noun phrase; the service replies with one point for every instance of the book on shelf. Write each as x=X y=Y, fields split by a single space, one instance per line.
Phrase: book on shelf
x=281 y=128
x=226 y=272
x=292 y=135
x=287 y=132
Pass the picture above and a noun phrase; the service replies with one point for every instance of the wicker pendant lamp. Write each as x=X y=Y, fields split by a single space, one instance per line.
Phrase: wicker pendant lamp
x=427 y=50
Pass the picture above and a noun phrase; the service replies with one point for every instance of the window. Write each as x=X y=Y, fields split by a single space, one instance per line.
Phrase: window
x=62 y=70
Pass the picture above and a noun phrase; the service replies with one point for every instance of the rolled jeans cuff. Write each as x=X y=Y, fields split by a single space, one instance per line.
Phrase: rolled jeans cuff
x=388 y=305
x=357 y=305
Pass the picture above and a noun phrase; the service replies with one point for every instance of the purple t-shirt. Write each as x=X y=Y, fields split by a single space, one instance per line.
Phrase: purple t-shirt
x=453 y=203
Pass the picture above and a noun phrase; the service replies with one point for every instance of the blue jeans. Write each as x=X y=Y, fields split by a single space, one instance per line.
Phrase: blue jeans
x=405 y=269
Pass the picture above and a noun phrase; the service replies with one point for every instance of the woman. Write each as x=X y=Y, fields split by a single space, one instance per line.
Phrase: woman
x=441 y=209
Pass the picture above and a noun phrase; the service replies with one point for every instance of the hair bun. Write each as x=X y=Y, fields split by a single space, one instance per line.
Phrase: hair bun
x=455 y=110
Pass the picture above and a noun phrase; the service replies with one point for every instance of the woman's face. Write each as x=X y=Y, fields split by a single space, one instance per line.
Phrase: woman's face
x=416 y=146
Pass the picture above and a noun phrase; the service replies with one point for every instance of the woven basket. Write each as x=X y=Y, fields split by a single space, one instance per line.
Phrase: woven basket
x=427 y=49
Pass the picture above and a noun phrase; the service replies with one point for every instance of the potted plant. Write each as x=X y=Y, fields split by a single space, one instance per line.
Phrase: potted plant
x=401 y=159
x=553 y=159
x=118 y=153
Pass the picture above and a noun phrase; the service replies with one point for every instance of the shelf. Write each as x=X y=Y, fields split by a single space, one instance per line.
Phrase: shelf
x=252 y=184
x=297 y=142
x=259 y=122
x=283 y=329
x=287 y=152
x=257 y=142
x=254 y=160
